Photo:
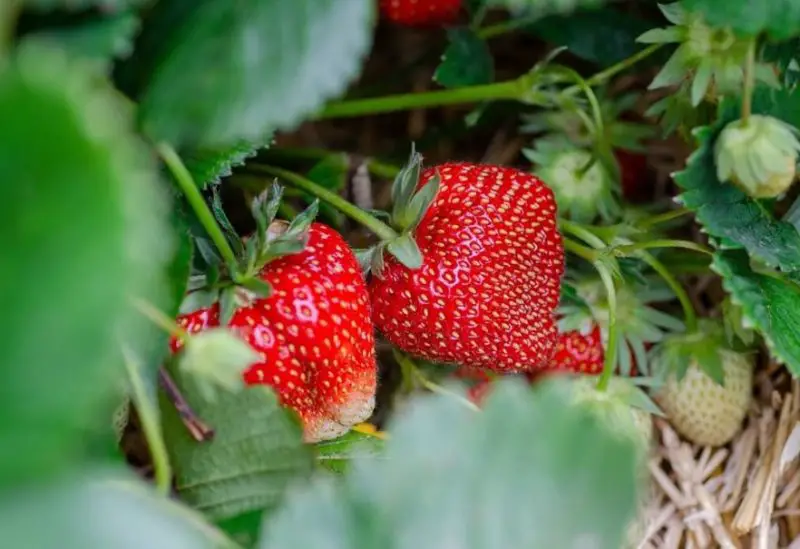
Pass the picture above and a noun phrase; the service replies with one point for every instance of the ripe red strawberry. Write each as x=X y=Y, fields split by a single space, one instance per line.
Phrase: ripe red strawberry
x=421 y=12
x=313 y=333
x=490 y=276
x=579 y=353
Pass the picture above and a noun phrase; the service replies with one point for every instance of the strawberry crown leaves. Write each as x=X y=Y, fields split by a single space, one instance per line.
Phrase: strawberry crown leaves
x=703 y=348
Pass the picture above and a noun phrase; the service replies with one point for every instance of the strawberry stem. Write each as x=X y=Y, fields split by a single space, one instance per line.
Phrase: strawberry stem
x=381 y=229
x=408 y=365
x=749 y=81
x=344 y=160
x=610 y=358
x=580 y=250
x=196 y=427
x=189 y=188
x=582 y=232
x=663 y=218
x=159 y=318
x=629 y=249
x=519 y=89
x=690 y=317
x=148 y=415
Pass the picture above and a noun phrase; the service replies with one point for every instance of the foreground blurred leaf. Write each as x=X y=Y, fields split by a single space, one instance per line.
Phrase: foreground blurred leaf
x=110 y=5
x=529 y=471
x=84 y=230
x=770 y=303
x=339 y=454
x=101 y=40
x=725 y=211
x=101 y=509
x=274 y=62
x=256 y=452
x=778 y=18
x=467 y=60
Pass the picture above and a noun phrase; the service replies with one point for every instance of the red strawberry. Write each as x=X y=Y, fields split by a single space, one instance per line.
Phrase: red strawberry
x=579 y=353
x=313 y=333
x=421 y=12
x=492 y=261
x=480 y=383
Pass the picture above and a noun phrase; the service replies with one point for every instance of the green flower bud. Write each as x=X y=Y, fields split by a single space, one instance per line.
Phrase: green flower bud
x=759 y=155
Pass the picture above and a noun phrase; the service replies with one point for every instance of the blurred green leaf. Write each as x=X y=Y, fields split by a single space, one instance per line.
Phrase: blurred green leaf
x=604 y=36
x=256 y=452
x=530 y=471
x=780 y=19
x=101 y=508
x=467 y=61
x=338 y=454
x=727 y=212
x=110 y=5
x=786 y=57
x=770 y=302
x=274 y=62
x=85 y=229
x=101 y=39
x=208 y=167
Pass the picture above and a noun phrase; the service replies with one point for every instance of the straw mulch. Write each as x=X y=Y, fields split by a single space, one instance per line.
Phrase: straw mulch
x=743 y=495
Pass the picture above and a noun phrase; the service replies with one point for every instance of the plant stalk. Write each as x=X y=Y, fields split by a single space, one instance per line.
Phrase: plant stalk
x=148 y=415
x=610 y=358
x=749 y=81
x=690 y=317
x=187 y=185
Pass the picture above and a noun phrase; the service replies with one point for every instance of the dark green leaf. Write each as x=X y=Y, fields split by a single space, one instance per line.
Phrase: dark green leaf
x=786 y=57
x=102 y=508
x=769 y=301
x=723 y=209
x=87 y=219
x=257 y=446
x=404 y=248
x=276 y=62
x=446 y=463
x=209 y=167
x=604 y=36
x=339 y=454
x=467 y=61
x=100 y=40
x=778 y=18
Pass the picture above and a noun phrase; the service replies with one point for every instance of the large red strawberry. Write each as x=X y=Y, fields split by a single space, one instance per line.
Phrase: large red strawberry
x=313 y=333
x=484 y=291
x=421 y=12
x=580 y=353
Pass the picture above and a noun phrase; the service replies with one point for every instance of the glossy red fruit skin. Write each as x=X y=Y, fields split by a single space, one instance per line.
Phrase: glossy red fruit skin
x=420 y=13
x=314 y=334
x=579 y=353
x=491 y=275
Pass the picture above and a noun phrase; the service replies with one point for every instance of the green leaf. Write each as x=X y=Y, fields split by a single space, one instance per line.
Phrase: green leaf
x=467 y=61
x=257 y=446
x=337 y=455
x=87 y=220
x=404 y=248
x=101 y=39
x=538 y=471
x=101 y=508
x=780 y=19
x=110 y=5
x=770 y=302
x=604 y=36
x=281 y=61
x=727 y=212
x=210 y=166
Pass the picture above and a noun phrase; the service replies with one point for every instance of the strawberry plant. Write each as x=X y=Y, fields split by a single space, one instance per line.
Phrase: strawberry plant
x=388 y=273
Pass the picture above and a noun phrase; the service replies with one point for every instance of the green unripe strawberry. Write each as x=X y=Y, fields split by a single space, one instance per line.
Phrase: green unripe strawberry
x=758 y=154
x=704 y=411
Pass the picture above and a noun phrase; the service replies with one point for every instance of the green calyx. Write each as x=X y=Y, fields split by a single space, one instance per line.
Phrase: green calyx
x=582 y=185
x=410 y=202
x=271 y=240
x=710 y=57
x=638 y=323
x=758 y=154
x=705 y=348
